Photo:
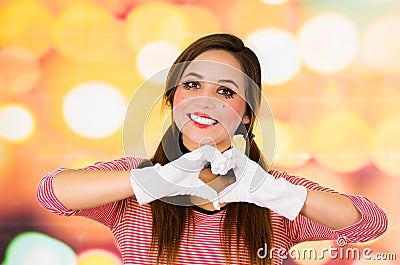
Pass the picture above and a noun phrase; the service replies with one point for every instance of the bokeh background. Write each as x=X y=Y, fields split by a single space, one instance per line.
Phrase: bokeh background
x=68 y=69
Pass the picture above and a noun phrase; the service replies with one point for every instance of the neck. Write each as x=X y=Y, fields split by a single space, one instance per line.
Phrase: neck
x=216 y=182
x=187 y=146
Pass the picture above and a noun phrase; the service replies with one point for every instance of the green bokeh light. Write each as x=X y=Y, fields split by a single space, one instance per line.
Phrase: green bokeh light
x=33 y=248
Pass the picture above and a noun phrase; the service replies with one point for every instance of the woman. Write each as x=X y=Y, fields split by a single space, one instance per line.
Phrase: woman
x=197 y=200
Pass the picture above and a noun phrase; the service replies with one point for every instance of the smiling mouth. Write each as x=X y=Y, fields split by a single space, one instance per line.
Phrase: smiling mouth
x=203 y=120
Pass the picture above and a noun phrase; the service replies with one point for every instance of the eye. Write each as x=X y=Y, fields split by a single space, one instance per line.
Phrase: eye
x=226 y=92
x=191 y=85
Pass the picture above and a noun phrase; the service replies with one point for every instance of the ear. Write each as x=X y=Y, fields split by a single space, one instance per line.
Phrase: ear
x=245 y=119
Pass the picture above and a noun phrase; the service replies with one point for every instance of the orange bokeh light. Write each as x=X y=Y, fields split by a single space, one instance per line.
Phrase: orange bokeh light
x=292 y=145
x=339 y=141
x=87 y=33
x=156 y=21
x=247 y=16
x=209 y=23
x=20 y=70
x=385 y=146
x=25 y=20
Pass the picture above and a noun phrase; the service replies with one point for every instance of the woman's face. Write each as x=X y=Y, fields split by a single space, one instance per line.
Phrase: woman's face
x=209 y=103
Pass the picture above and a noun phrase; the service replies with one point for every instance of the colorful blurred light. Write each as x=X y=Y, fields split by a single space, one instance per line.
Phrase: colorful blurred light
x=385 y=146
x=32 y=248
x=98 y=257
x=209 y=23
x=83 y=160
x=329 y=43
x=26 y=24
x=157 y=122
x=16 y=122
x=20 y=70
x=381 y=44
x=292 y=145
x=156 y=21
x=246 y=16
x=339 y=141
x=278 y=54
x=86 y=33
x=155 y=57
x=94 y=109
x=88 y=53
x=323 y=176
x=274 y=2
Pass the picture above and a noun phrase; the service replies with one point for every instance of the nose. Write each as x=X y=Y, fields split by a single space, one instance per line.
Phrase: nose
x=206 y=96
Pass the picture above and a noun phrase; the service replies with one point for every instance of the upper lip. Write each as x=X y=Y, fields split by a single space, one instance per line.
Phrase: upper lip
x=203 y=115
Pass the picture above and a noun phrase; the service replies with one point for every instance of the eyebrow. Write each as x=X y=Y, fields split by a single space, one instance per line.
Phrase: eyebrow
x=219 y=81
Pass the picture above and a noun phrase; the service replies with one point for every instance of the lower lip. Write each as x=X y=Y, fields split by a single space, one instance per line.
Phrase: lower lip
x=201 y=126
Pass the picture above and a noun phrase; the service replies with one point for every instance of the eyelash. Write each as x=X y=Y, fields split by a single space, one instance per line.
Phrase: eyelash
x=225 y=91
x=191 y=84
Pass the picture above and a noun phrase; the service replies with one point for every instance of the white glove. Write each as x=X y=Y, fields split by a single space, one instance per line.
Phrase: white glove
x=254 y=185
x=179 y=177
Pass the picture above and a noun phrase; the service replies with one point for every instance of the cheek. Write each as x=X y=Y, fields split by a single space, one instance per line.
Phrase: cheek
x=178 y=97
x=238 y=107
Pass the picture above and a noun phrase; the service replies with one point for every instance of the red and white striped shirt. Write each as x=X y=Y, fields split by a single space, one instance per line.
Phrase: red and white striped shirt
x=131 y=223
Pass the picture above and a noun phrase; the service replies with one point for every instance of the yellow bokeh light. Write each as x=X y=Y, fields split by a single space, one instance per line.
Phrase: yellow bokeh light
x=94 y=109
x=292 y=148
x=157 y=122
x=386 y=96
x=16 y=123
x=155 y=57
x=156 y=21
x=251 y=15
x=328 y=43
x=20 y=70
x=98 y=257
x=339 y=141
x=264 y=136
x=62 y=74
x=26 y=20
x=278 y=54
x=209 y=23
x=274 y=2
x=385 y=146
x=381 y=44
x=86 y=33
x=323 y=176
x=83 y=161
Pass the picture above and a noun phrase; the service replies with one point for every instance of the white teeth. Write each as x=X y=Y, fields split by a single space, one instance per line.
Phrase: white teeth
x=202 y=120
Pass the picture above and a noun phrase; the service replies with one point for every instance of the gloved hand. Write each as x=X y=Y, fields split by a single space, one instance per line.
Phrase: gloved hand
x=179 y=177
x=254 y=185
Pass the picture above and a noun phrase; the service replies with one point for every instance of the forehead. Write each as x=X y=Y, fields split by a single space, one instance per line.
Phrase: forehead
x=220 y=56
x=216 y=65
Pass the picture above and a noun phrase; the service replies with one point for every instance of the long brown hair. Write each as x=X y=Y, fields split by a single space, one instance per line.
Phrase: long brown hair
x=245 y=227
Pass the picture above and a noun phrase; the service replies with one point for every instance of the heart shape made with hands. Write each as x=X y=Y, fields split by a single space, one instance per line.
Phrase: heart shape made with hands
x=252 y=183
